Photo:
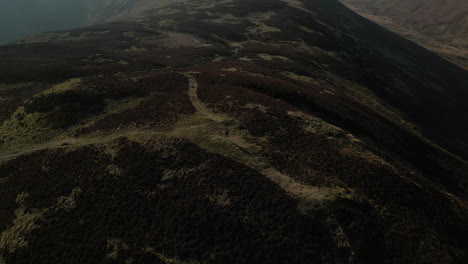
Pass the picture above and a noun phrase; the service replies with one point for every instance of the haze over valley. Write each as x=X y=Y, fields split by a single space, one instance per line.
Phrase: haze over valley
x=21 y=18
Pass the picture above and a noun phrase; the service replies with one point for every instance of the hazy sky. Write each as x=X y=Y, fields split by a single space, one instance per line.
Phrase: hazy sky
x=20 y=18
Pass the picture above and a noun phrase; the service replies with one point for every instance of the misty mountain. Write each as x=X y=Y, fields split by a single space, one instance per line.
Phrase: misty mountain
x=231 y=131
x=21 y=18
x=102 y=10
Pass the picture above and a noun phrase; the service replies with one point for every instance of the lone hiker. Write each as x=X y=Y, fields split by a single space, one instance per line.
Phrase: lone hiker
x=226 y=132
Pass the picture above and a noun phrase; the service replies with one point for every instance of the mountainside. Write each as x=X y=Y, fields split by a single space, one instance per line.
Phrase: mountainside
x=439 y=25
x=234 y=131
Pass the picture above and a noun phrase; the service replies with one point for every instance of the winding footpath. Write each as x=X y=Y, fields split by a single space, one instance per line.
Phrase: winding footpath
x=211 y=126
x=295 y=189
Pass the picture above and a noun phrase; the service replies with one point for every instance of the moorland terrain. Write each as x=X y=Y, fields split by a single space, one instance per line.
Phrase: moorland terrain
x=234 y=131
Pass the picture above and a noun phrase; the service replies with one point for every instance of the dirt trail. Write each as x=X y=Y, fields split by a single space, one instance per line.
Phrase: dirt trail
x=256 y=160
x=77 y=142
x=199 y=106
x=206 y=129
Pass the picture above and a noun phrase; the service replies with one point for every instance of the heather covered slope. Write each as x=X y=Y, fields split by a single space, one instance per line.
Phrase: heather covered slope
x=425 y=87
x=231 y=132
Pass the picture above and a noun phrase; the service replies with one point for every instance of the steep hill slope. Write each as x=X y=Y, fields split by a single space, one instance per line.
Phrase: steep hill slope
x=438 y=25
x=238 y=131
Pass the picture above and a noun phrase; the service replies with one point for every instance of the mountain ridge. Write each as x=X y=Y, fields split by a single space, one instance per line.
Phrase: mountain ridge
x=440 y=26
x=236 y=131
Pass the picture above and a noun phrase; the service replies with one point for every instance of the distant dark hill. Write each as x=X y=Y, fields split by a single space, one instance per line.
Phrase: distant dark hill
x=239 y=131
x=419 y=83
x=441 y=19
x=439 y=25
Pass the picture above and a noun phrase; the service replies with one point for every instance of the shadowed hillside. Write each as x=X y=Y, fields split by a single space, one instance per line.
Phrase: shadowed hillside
x=238 y=131
x=443 y=20
x=441 y=26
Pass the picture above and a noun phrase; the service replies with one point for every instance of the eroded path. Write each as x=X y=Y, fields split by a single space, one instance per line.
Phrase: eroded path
x=199 y=106
x=206 y=129
x=252 y=157
x=77 y=142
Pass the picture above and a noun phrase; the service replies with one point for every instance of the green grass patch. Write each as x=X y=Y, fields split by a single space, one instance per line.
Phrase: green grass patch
x=260 y=16
x=218 y=59
x=269 y=57
x=166 y=22
x=306 y=29
x=62 y=87
x=23 y=130
x=299 y=77
x=245 y=59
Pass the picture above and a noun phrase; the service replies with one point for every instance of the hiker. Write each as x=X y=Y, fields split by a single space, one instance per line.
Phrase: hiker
x=226 y=132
